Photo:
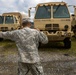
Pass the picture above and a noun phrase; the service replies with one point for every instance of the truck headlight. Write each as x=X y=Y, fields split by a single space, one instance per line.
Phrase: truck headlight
x=66 y=27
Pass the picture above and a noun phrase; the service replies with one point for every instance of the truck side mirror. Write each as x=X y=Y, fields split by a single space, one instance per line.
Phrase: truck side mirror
x=73 y=15
x=29 y=12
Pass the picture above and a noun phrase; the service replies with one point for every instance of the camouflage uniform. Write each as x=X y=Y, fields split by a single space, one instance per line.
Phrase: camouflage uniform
x=27 y=41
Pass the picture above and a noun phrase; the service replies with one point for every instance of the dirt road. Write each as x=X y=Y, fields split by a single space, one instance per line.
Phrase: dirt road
x=53 y=62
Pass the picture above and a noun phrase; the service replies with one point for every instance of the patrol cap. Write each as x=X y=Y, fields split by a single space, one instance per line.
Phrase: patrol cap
x=25 y=23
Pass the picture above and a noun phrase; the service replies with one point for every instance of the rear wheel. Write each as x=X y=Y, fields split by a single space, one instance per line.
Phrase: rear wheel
x=67 y=43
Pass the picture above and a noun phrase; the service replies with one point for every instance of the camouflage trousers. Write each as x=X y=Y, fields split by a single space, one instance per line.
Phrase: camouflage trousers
x=25 y=68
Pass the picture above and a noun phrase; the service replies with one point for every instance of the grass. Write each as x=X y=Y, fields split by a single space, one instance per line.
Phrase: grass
x=59 y=47
x=9 y=47
x=73 y=48
x=7 y=43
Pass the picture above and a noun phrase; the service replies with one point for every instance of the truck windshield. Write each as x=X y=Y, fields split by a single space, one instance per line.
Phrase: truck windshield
x=43 y=12
x=1 y=19
x=60 y=11
x=9 y=20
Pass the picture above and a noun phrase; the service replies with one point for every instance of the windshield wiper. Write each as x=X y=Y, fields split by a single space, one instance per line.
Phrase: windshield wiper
x=45 y=7
x=57 y=8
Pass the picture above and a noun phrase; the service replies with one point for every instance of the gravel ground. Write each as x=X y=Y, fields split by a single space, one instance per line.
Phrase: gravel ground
x=54 y=63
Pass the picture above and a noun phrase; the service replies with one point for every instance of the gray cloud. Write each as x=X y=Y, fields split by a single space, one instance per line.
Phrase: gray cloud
x=23 y=5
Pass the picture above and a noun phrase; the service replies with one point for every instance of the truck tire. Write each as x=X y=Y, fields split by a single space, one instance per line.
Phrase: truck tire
x=67 y=43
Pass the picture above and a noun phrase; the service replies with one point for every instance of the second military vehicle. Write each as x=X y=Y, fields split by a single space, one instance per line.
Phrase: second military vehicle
x=11 y=21
x=8 y=23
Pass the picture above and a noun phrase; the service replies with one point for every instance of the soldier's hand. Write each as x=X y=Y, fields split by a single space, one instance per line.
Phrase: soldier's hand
x=37 y=29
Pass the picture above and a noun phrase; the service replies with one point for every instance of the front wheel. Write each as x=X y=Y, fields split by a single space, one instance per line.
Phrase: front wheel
x=67 y=43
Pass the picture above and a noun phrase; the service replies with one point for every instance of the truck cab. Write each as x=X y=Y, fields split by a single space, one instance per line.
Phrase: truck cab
x=11 y=21
x=8 y=22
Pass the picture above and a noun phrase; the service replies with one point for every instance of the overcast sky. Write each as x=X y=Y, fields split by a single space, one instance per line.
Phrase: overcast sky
x=23 y=5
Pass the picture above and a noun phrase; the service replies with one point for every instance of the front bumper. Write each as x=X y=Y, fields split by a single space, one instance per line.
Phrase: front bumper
x=58 y=36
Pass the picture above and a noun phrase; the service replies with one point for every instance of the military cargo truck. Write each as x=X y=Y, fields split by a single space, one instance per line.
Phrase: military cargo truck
x=19 y=16
x=53 y=18
x=11 y=21
x=74 y=21
x=8 y=23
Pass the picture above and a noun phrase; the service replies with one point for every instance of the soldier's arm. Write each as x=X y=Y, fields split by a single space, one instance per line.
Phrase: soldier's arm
x=7 y=35
x=43 y=38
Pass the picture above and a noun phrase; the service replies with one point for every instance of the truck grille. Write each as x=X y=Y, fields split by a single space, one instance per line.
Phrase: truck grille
x=4 y=28
x=48 y=27
x=55 y=26
x=52 y=27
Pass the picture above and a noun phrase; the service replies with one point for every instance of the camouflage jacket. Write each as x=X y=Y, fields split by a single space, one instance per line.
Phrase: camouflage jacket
x=27 y=41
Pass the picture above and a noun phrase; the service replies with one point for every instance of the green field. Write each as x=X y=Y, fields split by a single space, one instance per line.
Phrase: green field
x=52 y=46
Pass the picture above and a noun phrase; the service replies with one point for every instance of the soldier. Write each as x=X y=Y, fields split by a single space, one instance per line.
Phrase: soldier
x=27 y=41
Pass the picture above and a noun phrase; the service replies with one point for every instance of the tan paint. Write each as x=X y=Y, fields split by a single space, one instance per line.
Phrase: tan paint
x=15 y=25
x=60 y=34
